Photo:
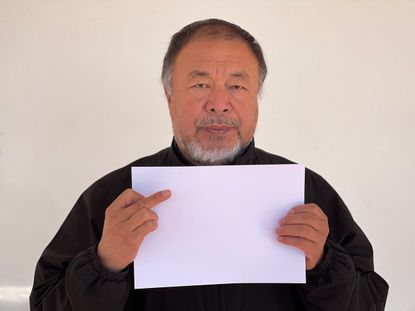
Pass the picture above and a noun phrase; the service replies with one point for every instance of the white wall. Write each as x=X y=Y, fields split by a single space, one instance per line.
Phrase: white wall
x=80 y=96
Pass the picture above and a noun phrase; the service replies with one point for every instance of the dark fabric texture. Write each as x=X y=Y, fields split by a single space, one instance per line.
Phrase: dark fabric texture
x=69 y=275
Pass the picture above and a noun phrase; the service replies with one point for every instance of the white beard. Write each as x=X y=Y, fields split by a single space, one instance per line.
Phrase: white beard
x=217 y=155
x=213 y=156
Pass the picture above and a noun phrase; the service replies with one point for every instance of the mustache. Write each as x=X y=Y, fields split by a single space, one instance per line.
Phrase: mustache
x=216 y=120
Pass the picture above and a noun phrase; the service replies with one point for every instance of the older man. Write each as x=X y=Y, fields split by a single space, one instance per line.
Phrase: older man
x=213 y=72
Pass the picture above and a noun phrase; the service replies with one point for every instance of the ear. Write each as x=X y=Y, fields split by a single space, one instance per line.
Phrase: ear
x=167 y=93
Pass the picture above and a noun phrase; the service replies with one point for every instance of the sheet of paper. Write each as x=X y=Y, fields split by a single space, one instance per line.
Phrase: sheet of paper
x=219 y=225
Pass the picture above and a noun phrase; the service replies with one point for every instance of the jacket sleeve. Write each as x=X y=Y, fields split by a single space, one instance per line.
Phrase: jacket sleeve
x=345 y=279
x=70 y=276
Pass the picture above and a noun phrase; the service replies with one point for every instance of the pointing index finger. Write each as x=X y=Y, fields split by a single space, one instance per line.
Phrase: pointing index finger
x=156 y=198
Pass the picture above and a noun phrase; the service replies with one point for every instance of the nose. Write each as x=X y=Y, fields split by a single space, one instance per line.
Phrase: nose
x=218 y=102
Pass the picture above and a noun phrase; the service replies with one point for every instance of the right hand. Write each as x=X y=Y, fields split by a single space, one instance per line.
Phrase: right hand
x=127 y=221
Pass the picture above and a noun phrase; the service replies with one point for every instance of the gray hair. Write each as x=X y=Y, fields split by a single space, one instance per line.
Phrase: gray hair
x=209 y=28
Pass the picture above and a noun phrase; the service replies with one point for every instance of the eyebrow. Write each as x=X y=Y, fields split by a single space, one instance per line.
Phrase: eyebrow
x=240 y=74
x=198 y=73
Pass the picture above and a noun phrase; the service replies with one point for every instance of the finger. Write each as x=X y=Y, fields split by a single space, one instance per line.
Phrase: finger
x=126 y=198
x=125 y=213
x=156 y=198
x=302 y=219
x=140 y=217
x=300 y=231
x=308 y=208
x=118 y=210
x=312 y=251
x=298 y=242
x=147 y=227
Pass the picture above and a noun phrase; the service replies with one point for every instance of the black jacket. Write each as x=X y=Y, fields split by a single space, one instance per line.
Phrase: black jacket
x=69 y=275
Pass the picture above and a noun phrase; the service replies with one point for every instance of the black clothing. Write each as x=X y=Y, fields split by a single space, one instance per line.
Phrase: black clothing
x=69 y=275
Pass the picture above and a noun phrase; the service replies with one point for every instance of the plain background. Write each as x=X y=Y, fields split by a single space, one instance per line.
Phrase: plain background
x=80 y=96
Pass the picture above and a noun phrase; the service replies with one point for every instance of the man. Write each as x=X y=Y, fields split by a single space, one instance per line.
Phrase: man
x=212 y=74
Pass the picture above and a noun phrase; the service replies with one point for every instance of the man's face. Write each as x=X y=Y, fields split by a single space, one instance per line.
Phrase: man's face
x=213 y=100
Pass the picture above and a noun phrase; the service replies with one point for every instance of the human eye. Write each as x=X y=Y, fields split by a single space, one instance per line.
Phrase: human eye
x=200 y=86
x=238 y=87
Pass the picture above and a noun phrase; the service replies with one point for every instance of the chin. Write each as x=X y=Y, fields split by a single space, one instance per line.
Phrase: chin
x=218 y=145
x=211 y=153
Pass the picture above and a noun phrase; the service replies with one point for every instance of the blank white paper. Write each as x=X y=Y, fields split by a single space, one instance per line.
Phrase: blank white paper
x=219 y=225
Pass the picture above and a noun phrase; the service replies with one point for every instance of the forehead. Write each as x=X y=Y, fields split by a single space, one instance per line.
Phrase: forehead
x=205 y=54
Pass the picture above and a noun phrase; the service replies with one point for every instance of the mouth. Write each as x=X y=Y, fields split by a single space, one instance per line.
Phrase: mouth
x=218 y=129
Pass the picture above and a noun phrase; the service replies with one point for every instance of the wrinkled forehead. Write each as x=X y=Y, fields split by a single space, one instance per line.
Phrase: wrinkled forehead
x=207 y=54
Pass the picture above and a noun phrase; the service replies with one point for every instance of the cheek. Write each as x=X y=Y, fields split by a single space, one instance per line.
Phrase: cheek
x=248 y=118
x=184 y=115
x=198 y=96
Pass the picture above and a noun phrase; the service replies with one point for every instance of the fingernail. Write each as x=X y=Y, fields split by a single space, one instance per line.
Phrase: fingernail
x=166 y=193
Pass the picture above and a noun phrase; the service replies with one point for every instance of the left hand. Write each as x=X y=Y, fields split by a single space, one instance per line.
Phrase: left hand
x=305 y=227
